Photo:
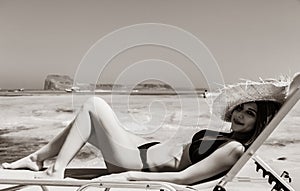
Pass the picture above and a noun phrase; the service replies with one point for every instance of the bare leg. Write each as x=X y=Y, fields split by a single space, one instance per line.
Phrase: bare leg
x=53 y=147
x=97 y=124
x=35 y=160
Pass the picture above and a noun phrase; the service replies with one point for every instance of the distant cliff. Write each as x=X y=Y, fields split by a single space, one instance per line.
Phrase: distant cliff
x=66 y=83
x=58 y=82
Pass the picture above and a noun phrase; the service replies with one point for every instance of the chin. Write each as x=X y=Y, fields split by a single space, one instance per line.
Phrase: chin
x=235 y=127
x=237 y=130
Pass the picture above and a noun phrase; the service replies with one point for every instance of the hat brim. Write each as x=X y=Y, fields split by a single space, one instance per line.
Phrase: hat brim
x=235 y=95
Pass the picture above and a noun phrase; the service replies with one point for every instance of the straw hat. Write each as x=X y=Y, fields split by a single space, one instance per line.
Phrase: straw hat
x=234 y=95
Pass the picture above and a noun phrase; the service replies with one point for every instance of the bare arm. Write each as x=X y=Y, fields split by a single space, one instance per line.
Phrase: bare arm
x=220 y=160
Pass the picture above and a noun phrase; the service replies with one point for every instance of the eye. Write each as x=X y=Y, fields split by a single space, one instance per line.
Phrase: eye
x=251 y=113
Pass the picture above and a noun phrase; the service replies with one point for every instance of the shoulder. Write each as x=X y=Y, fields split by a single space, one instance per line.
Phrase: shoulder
x=229 y=153
x=235 y=146
x=234 y=149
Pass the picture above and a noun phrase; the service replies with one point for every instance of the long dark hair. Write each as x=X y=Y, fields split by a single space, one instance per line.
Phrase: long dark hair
x=266 y=110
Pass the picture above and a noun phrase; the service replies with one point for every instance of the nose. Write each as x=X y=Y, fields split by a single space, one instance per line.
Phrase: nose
x=240 y=115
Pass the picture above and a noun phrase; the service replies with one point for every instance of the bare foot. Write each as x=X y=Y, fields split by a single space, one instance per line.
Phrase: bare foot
x=50 y=173
x=29 y=162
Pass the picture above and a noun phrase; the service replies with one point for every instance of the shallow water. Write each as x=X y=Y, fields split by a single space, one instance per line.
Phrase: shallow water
x=12 y=149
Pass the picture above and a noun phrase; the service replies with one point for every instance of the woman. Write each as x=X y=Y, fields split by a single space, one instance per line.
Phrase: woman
x=249 y=108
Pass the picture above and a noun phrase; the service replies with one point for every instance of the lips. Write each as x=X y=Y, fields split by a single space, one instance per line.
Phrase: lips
x=237 y=122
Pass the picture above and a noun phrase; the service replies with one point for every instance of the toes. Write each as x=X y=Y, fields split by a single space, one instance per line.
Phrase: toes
x=5 y=165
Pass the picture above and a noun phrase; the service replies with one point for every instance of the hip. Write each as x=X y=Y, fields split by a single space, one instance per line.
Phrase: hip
x=163 y=157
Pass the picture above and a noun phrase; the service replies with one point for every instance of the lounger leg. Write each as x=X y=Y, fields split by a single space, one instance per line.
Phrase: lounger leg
x=219 y=187
x=44 y=188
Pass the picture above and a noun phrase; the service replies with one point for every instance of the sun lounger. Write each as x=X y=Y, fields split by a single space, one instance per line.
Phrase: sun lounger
x=280 y=183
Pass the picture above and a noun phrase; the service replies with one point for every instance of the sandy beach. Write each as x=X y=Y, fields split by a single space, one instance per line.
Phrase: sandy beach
x=29 y=122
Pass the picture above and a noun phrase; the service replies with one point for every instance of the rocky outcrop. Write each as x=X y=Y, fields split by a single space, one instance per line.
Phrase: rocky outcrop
x=58 y=82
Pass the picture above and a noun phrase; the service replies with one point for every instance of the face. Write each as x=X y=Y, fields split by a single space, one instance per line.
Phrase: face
x=243 y=117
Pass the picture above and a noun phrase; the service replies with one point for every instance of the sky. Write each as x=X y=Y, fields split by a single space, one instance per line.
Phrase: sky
x=243 y=39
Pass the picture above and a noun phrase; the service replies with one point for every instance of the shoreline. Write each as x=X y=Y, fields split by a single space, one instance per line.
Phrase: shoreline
x=155 y=92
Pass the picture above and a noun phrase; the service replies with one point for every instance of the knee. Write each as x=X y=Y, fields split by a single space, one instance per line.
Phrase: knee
x=94 y=102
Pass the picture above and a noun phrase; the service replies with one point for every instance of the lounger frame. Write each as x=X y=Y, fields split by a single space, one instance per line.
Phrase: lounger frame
x=84 y=184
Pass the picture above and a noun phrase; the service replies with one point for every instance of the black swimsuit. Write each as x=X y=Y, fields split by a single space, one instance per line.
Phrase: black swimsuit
x=204 y=143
